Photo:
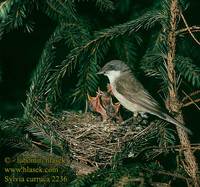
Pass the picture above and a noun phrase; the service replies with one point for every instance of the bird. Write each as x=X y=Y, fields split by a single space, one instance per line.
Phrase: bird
x=102 y=103
x=131 y=94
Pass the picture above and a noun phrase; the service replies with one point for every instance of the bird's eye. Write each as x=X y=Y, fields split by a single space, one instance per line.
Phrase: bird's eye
x=111 y=67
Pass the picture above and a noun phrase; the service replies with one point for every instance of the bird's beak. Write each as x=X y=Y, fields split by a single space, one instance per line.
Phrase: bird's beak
x=100 y=72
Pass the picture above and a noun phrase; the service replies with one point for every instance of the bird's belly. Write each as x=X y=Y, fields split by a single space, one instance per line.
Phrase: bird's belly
x=126 y=103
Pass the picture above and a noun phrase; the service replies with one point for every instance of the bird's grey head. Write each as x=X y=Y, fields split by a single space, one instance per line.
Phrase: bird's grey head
x=113 y=69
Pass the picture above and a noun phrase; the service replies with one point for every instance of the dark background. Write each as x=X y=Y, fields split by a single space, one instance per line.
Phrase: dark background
x=20 y=53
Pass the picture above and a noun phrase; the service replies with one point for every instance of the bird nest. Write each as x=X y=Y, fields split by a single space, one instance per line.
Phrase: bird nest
x=94 y=142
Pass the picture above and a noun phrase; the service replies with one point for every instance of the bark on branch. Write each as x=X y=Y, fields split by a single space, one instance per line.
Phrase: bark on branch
x=189 y=162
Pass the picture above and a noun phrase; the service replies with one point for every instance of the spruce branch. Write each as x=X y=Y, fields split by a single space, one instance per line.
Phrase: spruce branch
x=51 y=11
x=37 y=97
x=100 y=44
x=88 y=80
x=74 y=40
x=5 y=8
x=43 y=134
x=66 y=8
x=13 y=14
x=75 y=57
x=59 y=10
x=102 y=5
x=153 y=63
x=128 y=50
x=188 y=70
x=13 y=134
x=105 y=5
x=189 y=163
x=166 y=173
x=166 y=137
x=146 y=21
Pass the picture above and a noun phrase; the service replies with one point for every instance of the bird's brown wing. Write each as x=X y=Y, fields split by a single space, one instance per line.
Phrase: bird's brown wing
x=135 y=93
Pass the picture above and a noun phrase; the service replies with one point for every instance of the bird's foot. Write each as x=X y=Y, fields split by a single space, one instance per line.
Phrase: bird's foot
x=140 y=117
x=143 y=115
x=135 y=114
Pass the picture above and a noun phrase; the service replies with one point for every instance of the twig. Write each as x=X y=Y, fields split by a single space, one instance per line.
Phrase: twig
x=178 y=148
x=192 y=94
x=39 y=143
x=192 y=101
x=167 y=173
x=126 y=121
x=84 y=133
x=192 y=29
x=86 y=106
x=188 y=28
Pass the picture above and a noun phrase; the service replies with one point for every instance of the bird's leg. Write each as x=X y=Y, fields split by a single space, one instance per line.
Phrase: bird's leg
x=143 y=115
x=135 y=114
x=137 y=118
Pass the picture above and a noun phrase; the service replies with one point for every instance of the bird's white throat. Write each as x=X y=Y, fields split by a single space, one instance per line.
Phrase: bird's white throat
x=112 y=75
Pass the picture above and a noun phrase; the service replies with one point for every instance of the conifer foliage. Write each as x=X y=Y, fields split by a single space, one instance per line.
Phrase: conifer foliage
x=135 y=32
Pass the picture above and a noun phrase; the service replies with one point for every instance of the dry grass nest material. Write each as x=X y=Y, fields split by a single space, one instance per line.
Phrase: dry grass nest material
x=92 y=141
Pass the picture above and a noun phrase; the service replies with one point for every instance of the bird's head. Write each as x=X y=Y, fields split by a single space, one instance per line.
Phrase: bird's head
x=113 y=69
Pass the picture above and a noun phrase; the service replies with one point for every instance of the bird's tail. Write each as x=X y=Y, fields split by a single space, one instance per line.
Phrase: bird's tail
x=170 y=119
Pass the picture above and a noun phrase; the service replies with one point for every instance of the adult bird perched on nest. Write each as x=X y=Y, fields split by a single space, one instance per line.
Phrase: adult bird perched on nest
x=131 y=93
